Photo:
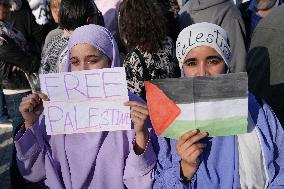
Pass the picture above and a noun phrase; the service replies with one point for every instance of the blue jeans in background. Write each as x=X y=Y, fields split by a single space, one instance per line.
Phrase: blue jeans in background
x=3 y=109
x=12 y=103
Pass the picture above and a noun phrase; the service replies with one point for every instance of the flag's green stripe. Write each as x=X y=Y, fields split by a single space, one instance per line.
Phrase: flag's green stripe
x=218 y=127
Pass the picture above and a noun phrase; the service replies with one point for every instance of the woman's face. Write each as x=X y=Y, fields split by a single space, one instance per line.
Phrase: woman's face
x=4 y=11
x=87 y=57
x=203 y=61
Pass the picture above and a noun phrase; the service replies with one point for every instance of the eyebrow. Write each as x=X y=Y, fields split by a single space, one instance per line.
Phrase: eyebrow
x=214 y=57
x=89 y=56
x=190 y=59
x=92 y=55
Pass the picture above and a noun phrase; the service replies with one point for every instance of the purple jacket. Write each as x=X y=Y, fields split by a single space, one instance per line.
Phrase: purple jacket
x=92 y=160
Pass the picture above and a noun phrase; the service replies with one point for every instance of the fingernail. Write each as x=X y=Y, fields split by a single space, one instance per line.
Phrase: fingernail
x=205 y=133
x=194 y=131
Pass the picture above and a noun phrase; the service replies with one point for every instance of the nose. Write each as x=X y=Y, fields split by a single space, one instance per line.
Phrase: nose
x=202 y=69
x=84 y=66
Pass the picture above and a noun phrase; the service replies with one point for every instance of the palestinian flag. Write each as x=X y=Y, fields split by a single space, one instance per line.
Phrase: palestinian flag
x=216 y=104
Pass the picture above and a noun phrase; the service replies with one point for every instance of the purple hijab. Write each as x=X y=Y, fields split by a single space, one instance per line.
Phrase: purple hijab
x=97 y=36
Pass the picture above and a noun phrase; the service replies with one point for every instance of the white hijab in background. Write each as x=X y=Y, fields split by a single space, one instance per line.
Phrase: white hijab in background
x=40 y=9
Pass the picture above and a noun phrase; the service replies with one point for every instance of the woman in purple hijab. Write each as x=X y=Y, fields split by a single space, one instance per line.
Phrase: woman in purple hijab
x=119 y=159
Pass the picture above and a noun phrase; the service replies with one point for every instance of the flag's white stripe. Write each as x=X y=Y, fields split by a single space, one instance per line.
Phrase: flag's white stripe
x=214 y=109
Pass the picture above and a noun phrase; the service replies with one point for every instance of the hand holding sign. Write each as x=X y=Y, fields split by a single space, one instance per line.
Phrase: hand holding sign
x=31 y=107
x=139 y=114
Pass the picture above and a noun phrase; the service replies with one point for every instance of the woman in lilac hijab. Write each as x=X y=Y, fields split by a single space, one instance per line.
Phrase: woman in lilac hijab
x=119 y=159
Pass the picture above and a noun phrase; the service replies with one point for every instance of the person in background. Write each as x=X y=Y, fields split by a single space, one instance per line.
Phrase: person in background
x=151 y=53
x=253 y=11
x=23 y=20
x=15 y=62
x=54 y=7
x=196 y=161
x=104 y=160
x=265 y=62
x=72 y=14
x=223 y=13
x=109 y=10
x=41 y=11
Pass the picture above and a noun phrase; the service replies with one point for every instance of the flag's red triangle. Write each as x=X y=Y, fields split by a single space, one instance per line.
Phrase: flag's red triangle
x=163 y=111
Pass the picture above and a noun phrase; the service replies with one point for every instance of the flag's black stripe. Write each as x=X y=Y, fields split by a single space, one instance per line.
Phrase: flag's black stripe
x=203 y=89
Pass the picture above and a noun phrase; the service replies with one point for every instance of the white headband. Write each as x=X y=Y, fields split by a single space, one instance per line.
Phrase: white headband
x=203 y=34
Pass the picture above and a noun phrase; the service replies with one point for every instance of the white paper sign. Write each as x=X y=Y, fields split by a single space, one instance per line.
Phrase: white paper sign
x=86 y=101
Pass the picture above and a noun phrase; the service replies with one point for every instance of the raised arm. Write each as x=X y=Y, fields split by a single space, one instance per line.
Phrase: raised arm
x=140 y=163
x=30 y=141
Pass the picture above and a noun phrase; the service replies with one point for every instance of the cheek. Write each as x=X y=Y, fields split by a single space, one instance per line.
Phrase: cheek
x=75 y=68
x=218 y=69
x=99 y=65
x=94 y=66
x=189 y=71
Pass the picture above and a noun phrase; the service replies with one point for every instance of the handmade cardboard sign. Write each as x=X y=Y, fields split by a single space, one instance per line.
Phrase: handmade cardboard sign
x=86 y=101
x=216 y=104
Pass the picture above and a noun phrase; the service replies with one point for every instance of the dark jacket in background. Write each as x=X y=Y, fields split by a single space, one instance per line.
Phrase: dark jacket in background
x=265 y=63
x=12 y=55
x=225 y=14
x=24 y=21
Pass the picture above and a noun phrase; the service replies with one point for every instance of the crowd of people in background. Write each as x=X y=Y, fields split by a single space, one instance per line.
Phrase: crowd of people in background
x=144 y=36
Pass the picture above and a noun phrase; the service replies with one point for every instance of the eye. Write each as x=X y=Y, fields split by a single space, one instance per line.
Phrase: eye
x=214 y=61
x=190 y=63
x=74 y=61
x=92 y=61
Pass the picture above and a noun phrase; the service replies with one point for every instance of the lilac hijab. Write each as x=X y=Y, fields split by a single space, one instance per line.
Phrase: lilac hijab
x=97 y=36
